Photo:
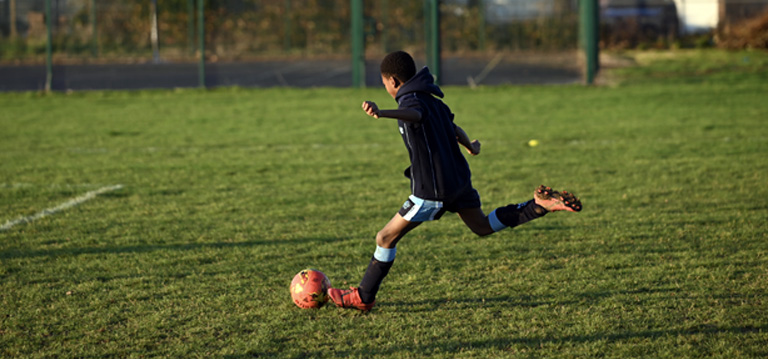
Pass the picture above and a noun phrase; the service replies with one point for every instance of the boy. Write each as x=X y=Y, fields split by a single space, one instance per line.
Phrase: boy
x=439 y=174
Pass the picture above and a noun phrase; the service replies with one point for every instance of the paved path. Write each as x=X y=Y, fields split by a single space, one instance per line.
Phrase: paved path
x=297 y=73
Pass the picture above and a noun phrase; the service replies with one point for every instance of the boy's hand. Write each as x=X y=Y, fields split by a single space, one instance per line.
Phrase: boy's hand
x=371 y=109
x=474 y=148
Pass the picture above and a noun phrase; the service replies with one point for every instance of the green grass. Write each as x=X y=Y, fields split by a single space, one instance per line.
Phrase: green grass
x=230 y=192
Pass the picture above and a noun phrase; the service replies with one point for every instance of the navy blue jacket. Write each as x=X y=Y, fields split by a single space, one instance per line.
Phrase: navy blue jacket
x=438 y=169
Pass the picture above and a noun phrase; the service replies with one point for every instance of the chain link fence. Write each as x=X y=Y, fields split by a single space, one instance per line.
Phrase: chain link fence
x=98 y=44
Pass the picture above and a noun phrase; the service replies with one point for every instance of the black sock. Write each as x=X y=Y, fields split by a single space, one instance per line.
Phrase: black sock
x=375 y=273
x=517 y=214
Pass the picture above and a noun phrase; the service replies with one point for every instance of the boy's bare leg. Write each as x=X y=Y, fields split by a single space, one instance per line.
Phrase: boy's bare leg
x=364 y=296
x=384 y=257
x=503 y=217
x=396 y=229
x=476 y=220
x=545 y=200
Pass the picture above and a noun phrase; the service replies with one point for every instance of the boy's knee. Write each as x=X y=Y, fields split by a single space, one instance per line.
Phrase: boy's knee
x=385 y=239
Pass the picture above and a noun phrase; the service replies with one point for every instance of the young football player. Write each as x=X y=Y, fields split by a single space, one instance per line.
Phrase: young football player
x=439 y=175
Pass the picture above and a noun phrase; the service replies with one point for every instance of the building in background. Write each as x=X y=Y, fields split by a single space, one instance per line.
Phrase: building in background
x=697 y=16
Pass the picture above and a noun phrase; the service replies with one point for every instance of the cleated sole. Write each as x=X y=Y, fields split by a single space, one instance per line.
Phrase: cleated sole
x=554 y=201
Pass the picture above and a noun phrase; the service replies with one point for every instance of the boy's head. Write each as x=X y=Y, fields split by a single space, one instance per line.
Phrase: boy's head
x=396 y=69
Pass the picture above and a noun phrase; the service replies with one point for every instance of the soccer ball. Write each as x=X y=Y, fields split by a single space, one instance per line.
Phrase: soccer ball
x=309 y=289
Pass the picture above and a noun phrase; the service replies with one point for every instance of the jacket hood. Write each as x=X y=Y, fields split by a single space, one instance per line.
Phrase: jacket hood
x=421 y=82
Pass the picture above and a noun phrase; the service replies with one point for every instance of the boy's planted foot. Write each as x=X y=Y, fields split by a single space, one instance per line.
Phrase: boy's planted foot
x=349 y=299
x=554 y=201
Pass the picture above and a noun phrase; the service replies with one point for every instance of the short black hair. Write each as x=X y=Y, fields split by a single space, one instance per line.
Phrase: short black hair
x=398 y=64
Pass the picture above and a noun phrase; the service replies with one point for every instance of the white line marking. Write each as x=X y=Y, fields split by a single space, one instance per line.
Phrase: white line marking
x=66 y=205
x=473 y=82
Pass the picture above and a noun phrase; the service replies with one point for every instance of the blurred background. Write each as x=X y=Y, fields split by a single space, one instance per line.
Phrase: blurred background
x=131 y=44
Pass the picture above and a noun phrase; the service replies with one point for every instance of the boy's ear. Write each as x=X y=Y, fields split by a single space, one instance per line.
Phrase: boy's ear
x=392 y=80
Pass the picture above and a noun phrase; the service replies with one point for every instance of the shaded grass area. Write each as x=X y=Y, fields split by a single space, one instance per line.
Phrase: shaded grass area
x=228 y=193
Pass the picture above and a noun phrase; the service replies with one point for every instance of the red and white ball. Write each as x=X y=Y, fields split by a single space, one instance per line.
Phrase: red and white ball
x=309 y=289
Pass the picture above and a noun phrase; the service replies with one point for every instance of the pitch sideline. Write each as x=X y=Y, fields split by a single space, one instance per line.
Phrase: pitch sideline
x=66 y=205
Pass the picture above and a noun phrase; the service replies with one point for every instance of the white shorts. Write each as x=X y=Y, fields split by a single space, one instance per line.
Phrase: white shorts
x=416 y=209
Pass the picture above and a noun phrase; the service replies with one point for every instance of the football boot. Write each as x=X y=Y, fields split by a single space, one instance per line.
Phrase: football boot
x=349 y=299
x=554 y=201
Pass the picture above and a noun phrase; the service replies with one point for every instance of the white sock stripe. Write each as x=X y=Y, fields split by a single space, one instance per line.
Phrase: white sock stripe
x=384 y=254
x=496 y=225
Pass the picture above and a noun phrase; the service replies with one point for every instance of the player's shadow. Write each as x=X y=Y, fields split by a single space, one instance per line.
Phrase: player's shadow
x=511 y=301
x=468 y=303
x=146 y=248
x=503 y=343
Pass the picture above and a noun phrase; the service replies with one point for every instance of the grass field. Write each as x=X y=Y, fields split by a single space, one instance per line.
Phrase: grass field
x=228 y=193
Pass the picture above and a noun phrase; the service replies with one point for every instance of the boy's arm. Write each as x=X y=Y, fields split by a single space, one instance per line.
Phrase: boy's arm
x=473 y=147
x=406 y=115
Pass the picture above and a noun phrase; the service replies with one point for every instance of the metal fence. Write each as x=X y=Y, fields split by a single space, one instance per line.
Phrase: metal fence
x=159 y=43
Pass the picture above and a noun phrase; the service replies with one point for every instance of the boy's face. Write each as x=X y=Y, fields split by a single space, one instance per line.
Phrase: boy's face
x=391 y=84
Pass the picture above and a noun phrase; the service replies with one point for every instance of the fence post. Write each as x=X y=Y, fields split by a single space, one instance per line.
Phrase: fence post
x=481 y=27
x=433 y=39
x=94 y=30
x=287 y=25
x=12 y=19
x=384 y=22
x=201 y=41
x=589 y=37
x=153 y=32
x=191 y=26
x=358 y=44
x=48 y=47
